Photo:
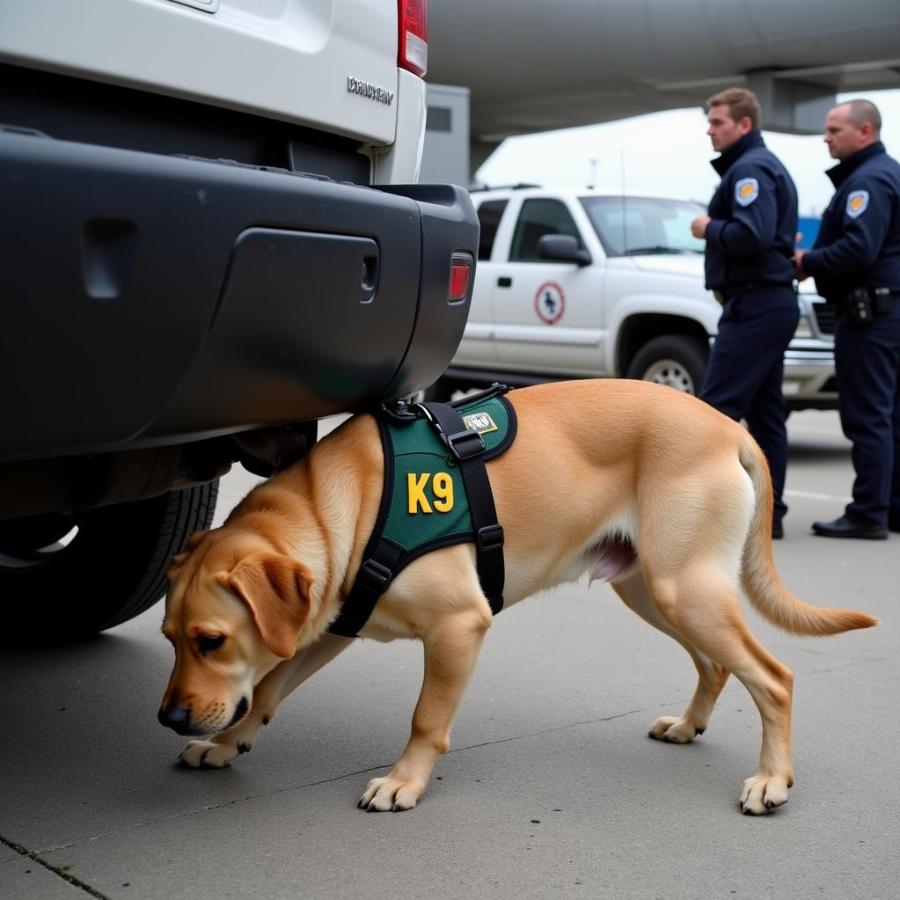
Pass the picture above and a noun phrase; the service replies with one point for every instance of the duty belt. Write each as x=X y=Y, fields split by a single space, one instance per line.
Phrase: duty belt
x=735 y=290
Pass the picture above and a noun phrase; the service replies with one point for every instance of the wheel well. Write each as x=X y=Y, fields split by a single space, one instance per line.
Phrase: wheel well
x=637 y=330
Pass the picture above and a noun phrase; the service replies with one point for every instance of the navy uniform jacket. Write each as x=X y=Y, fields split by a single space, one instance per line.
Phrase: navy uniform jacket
x=754 y=213
x=859 y=238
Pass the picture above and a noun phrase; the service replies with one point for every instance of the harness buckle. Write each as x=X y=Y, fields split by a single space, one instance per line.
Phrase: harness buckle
x=490 y=537
x=401 y=411
x=374 y=576
x=465 y=444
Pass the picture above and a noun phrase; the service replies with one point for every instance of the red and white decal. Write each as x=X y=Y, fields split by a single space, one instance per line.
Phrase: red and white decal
x=550 y=302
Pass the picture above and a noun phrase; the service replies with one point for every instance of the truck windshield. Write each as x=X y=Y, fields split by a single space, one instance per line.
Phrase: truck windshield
x=635 y=226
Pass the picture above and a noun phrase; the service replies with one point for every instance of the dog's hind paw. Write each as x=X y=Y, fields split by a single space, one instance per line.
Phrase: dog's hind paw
x=763 y=793
x=208 y=754
x=390 y=795
x=674 y=730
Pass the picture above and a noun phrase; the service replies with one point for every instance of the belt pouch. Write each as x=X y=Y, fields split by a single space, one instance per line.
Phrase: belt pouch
x=859 y=306
x=882 y=301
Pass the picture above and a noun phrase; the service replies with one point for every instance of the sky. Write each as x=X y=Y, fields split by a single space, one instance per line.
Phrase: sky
x=666 y=153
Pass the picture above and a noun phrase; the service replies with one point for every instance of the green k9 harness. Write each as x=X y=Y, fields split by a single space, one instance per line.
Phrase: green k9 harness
x=436 y=493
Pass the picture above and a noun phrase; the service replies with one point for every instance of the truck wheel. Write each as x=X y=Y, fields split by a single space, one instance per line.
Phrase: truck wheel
x=67 y=576
x=677 y=360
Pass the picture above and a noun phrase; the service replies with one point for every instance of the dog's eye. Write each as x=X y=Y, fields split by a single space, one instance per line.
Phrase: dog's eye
x=206 y=644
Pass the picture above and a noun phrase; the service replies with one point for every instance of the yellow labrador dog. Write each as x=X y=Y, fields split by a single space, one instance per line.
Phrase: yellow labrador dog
x=633 y=482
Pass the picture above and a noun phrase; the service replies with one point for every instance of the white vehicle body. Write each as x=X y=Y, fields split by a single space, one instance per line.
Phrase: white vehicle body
x=290 y=60
x=539 y=318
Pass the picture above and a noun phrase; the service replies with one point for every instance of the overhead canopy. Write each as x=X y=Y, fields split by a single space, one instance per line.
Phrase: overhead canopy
x=535 y=66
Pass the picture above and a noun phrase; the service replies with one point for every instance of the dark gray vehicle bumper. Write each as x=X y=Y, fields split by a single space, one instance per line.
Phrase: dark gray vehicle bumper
x=152 y=300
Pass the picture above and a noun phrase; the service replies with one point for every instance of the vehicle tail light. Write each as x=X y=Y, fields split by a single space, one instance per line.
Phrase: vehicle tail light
x=460 y=273
x=413 y=45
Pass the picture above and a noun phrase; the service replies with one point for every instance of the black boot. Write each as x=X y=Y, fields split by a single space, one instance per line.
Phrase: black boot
x=844 y=527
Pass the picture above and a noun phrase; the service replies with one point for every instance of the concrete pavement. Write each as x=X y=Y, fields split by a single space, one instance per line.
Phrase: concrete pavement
x=552 y=787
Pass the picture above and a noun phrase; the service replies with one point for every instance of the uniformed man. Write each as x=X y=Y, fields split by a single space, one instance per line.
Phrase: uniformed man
x=856 y=264
x=749 y=234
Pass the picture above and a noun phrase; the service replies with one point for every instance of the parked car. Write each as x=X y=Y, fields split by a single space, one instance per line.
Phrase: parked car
x=584 y=284
x=211 y=237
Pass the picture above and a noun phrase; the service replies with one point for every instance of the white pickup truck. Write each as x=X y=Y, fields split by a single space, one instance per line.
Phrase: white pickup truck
x=585 y=284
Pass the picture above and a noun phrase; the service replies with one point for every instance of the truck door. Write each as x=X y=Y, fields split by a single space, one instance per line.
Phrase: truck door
x=548 y=314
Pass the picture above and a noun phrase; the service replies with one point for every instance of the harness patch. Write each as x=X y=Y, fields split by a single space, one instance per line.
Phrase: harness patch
x=441 y=493
x=480 y=422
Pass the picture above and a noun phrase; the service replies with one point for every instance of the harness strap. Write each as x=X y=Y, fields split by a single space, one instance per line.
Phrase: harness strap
x=374 y=575
x=467 y=446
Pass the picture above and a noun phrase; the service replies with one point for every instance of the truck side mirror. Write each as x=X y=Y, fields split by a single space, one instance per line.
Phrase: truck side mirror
x=562 y=248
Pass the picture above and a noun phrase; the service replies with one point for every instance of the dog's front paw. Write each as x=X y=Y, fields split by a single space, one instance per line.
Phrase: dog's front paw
x=674 y=731
x=209 y=754
x=763 y=793
x=390 y=794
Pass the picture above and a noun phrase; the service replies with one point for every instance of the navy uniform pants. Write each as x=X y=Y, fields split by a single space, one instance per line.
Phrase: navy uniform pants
x=746 y=368
x=867 y=361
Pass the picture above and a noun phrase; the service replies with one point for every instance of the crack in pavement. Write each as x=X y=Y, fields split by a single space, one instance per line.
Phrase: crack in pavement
x=59 y=871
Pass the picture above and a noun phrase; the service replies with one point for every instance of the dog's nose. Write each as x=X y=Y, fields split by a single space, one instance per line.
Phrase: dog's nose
x=175 y=717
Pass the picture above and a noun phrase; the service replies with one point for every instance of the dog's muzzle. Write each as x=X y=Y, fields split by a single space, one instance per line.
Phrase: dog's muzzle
x=178 y=718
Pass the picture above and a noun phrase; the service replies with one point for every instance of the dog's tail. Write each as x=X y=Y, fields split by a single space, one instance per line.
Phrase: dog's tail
x=760 y=578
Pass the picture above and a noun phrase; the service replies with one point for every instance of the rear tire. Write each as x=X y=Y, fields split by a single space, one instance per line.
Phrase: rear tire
x=676 y=360
x=68 y=576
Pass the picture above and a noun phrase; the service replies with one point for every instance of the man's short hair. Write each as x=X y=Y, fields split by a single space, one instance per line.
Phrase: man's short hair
x=740 y=103
x=861 y=111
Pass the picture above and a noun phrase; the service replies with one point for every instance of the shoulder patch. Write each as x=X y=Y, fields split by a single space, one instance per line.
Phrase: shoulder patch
x=746 y=190
x=857 y=203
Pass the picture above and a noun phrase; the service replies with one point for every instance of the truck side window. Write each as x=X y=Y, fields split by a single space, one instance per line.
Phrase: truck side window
x=537 y=218
x=489 y=214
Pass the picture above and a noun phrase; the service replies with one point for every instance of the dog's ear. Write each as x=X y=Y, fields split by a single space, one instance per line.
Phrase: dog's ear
x=176 y=564
x=194 y=540
x=190 y=544
x=276 y=588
